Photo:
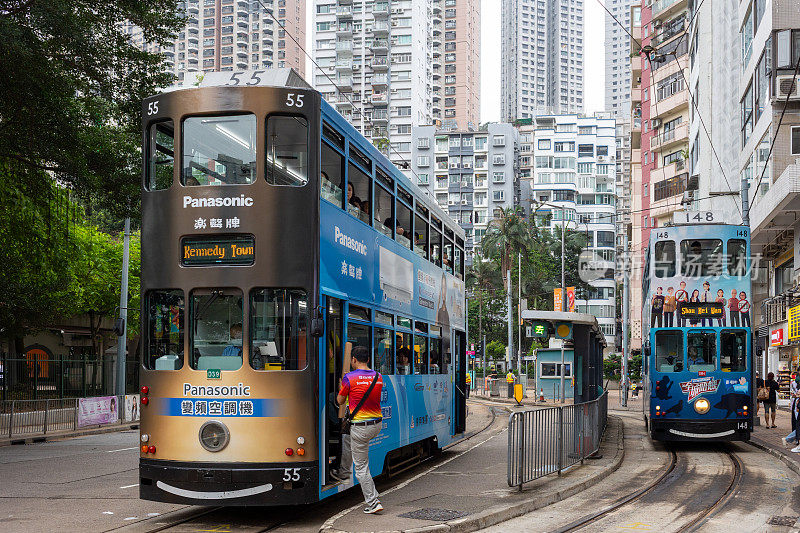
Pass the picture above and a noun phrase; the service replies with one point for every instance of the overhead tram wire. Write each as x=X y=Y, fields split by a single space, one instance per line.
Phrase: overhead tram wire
x=775 y=137
x=341 y=93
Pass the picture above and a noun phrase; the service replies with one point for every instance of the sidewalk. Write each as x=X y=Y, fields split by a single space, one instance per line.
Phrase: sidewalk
x=66 y=434
x=469 y=491
x=769 y=440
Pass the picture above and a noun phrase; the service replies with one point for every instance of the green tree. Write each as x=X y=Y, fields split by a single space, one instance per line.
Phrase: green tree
x=72 y=88
x=506 y=236
x=495 y=351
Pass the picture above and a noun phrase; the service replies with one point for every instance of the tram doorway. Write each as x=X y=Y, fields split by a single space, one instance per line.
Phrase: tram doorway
x=334 y=325
x=459 y=351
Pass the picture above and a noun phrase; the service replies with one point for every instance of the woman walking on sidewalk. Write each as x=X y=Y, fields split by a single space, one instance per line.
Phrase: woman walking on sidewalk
x=794 y=413
x=771 y=403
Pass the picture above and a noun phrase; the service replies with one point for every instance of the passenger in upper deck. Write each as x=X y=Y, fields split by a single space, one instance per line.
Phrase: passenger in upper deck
x=234 y=348
x=352 y=199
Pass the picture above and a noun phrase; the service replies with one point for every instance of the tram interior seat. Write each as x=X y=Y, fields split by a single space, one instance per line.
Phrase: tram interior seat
x=168 y=362
x=221 y=362
x=699 y=368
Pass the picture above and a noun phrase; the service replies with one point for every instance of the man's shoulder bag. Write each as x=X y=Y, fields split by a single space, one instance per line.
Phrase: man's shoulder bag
x=763 y=393
x=348 y=419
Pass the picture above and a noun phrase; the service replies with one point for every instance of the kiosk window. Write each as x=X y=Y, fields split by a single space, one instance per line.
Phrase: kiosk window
x=665 y=259
x=216 y=329
x=278 y=332
x=384 y=351
x=405 y=360
x=669 y=351
x=287 y=151
x=702 y=351
x=737 y=257
x=701 y=257
x=358 y=193
x=161 y=155
x=384 y=204
x=332 y=176
x=164 y=348
x=733 y=350
x=219 y=150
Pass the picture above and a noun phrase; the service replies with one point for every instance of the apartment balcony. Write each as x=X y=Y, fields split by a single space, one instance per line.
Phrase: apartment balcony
x=773 y=214
x=636 y=68
x=193 y=9
x=437 y=27
x=378 y=46
x=343 y=103
x=380 y=28
x=344 y=64
x=380 y=99
x=380 y=117
x=345 y=83
x=380 y=80
x=672 y=104
x=379 y=63
x=380 y=10
x=344 y=48
x=674 y=186
x=673 y=137
x=345 y=2
x=344 y=30
x=664 y=8
x=344 y=12
x=667 y=33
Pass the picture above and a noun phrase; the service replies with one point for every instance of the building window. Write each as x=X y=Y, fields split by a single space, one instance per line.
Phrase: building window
x=796 y=141
x=543 y=144
x=423 y=161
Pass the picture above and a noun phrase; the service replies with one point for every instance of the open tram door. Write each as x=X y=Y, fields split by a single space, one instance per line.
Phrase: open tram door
x=332 y=349
x=460 y=389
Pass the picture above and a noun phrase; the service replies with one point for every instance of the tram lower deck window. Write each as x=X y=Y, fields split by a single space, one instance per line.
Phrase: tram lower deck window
x=669 y=351
x=216 y=329
x=164 y=330
x=733 y=350
x=702 y=350
x=278 y=332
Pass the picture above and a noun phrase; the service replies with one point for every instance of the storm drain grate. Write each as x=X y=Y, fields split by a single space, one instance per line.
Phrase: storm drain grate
x=438 y=515
x=782 y=520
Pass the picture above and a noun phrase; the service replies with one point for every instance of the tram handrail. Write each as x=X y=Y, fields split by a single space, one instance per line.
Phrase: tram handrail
x=549 y=440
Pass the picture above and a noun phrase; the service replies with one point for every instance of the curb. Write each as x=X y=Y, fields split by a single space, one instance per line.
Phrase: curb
x=49 y=437
x=793 y=465
x=501 y=513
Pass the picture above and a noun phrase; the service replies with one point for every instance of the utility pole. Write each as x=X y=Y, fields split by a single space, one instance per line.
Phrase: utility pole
x=625 y=323
x=519 y=317
x=510 y=322
x=563 y=298
x=123 y=311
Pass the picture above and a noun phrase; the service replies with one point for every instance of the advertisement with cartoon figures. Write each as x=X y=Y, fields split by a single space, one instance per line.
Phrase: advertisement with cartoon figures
x=696 y=318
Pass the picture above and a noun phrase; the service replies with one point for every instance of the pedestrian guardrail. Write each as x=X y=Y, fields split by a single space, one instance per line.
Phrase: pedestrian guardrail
x=546 y=441
x=24 y=418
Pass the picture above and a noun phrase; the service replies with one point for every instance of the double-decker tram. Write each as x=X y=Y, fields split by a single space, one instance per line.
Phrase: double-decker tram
x=275 y=238
x=697 y=366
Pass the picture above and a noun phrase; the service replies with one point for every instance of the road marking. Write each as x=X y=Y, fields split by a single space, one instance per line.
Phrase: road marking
x=122 y=449
x=153 y=514
x=130 y=486
x=107 y=512
x=131 y=518
x=637 y=526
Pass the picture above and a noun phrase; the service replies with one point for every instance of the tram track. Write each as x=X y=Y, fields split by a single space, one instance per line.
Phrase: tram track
x=663 y=479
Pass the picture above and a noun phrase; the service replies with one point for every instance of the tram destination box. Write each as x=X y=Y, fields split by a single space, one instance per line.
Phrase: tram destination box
x=221 y=250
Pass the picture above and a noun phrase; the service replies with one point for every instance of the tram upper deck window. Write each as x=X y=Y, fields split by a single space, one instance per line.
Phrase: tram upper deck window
x=384 y=351
x=359 y=192
x=436 y=247
x=420 y=236
x=447 y=258
x=701 y=257
x=164 y=330
x=278 y=332
x=332 y=176
x=216 y=318
x=402 y=230
x=664 y=262
x=459 y=263
x=733 y=350
x=287 y=150
x=161 y=155
x=702 y=351
x=737 y=257
x=384 y=207
x=669 y=351
x=219 y=150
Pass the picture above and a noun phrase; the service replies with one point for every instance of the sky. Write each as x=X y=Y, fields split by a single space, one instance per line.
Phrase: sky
x=594 y=56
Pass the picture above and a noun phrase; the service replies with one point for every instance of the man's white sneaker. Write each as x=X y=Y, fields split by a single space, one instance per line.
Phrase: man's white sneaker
x=796 y=449
x=374 y=508
x=785 y=442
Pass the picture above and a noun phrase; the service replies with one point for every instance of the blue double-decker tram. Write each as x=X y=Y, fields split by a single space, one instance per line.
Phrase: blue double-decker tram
x=698 y=367
x=275 y=238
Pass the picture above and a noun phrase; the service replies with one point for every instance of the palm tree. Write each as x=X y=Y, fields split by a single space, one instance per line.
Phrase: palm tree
x=506 y=236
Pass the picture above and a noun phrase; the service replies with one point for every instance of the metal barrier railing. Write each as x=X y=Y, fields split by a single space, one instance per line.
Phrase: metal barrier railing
x=546 y=441
x=39 y=417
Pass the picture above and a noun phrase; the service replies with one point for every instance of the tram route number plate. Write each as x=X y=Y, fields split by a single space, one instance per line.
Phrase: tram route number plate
x=213 y=373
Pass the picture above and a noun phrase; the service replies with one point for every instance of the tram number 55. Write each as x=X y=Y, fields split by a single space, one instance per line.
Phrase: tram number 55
x=291 y=474
x=294 y=100
x=152 y=108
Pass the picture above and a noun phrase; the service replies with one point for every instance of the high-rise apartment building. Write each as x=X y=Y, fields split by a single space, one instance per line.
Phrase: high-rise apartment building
x=542 y=55
x=574 y=186
x=472 y=174
x=618 y=72
x=233 y=35
x=393 y=64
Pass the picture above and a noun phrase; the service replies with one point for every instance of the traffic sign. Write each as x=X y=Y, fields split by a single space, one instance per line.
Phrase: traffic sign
x=538 y=329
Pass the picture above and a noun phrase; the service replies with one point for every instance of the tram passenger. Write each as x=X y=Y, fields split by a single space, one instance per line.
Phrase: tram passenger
x=234 y=348
x=366 y=421
x=403 y=358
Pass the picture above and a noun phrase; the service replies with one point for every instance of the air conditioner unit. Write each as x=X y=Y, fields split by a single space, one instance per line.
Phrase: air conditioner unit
x=786 y=87
x=464 y=202
x=601 y=158
x=656 y=23
x=655 y=122
x=465 y=184
x=452 y=202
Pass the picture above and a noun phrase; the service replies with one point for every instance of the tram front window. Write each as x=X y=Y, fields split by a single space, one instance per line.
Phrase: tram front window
x=701 y=257
x=733 y=350
x=219 y=150
x=665 y=259
x=164 y=330
x=702 y=351
x=161 y=155
x=216 y=329
x=287 y=151
x=278 y=329
x=669 y=351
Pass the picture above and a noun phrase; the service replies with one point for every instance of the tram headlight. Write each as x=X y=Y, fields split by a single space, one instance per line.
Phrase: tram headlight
x=214 y=436
x=702 y=406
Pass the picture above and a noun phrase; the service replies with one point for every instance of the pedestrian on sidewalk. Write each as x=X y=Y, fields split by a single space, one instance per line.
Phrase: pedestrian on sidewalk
x=771 y=403
x=794 y=413
x=759 y=385
x=362 y=388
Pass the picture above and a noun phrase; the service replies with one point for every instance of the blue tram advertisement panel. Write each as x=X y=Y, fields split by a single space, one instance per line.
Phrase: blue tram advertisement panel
x=697 y=328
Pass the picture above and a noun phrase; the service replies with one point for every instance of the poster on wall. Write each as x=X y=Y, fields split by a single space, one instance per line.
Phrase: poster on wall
x=131 y=407
x=97 y=411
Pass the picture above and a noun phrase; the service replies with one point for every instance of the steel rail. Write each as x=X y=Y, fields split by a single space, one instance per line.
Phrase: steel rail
x=736 y=481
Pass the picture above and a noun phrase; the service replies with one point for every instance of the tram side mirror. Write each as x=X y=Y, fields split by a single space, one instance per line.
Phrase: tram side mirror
x=119 y=327
x=318 y=323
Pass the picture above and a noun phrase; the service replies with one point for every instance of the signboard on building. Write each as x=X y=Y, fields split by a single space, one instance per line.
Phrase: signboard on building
x=793 y=316
x=776 y=338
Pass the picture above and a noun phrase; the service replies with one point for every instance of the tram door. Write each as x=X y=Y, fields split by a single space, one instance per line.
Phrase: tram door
x=459 y=350
x=333 y=368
